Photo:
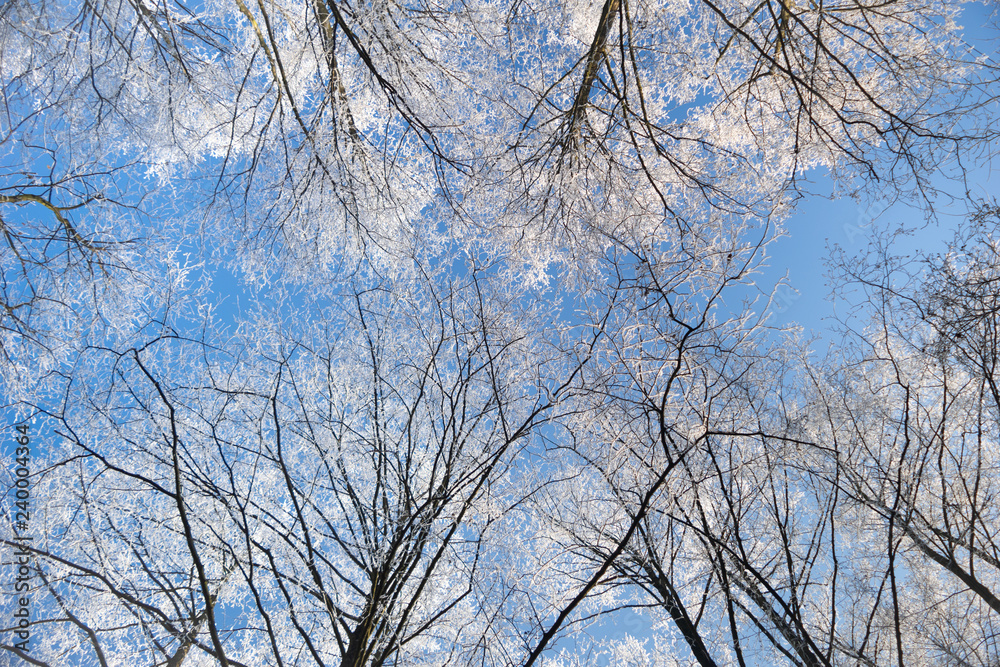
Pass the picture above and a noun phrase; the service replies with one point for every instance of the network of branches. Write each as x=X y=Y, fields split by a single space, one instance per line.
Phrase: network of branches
x=434 y=333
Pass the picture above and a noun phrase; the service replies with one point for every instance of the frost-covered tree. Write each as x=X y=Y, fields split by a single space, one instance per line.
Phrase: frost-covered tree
x=909 y=421
x=683 y=498
x=286 y=135
x=304 y=129
x=336 y=492
x=494 y=377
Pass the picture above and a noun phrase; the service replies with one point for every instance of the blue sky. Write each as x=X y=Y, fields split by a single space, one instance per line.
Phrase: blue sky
x=821 y=221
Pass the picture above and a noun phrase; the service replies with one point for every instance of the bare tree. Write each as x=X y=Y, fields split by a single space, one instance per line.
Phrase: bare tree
x=686 y=498
x=910 y=417
x=307 y=129
x=499 y=381
x=326 y=495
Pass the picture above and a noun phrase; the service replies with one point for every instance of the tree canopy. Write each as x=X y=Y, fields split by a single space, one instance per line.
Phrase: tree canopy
x=411 y=333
